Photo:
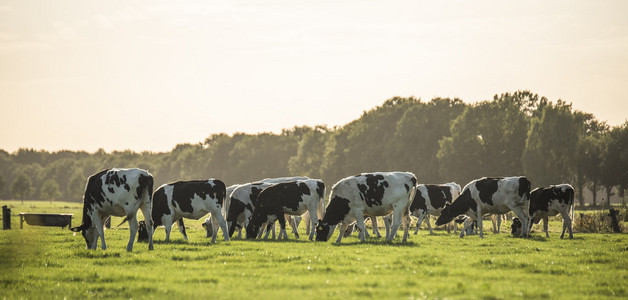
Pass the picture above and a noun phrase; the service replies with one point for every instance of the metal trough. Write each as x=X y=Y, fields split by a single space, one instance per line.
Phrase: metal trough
x=40 y=219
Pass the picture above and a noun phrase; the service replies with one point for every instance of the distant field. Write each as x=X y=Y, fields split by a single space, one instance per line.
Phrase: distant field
x=47 y=262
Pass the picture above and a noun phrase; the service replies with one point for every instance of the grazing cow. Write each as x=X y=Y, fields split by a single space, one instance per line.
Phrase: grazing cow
x=372 y=194
x=550 y=201
x=490 y=196
x=116 y=192
x=244 y=200
x=291 y=198
x=192 y=200
x=430 y=199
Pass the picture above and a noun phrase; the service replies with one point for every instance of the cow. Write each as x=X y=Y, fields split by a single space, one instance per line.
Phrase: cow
x=291 y=198
x=550 y=201
x=372 y=194
x=116 y=192
x=430 y=199
x=225 y=208
x=189 y=199
x=490 y=196
x=244 y=200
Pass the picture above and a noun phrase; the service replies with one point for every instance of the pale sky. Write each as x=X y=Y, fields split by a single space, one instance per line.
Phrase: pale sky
x=147 y=75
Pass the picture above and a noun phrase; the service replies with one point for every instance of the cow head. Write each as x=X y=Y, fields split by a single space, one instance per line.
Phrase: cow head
x=89 y=234
x=324 y=231
x=252 y=230
x=516 y=226
x=142 y=233
x=446 y=215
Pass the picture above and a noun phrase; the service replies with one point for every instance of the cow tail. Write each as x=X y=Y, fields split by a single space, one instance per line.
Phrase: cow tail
x=123 y=220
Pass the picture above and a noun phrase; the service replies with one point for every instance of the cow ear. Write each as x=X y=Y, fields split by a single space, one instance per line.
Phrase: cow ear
x=77 y=229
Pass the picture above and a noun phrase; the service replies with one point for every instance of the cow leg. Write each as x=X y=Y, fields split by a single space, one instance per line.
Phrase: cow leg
x=546 y=225
x=360 y=224
x=146 y=211
x=405 y=218
x=566 y=224
x=395 y=225
x=282 y=226
x=429 y=226
x=375 y=227
x=220 y=219
x=265 y=228
x=465 y=225
x=479 y=220
x=100 y=231
x=342 y=230
x=308 y=222
x=182 y=229
x=494 y=221
x=133 y=232
x=416 y=230
x=387 y=223
x=499 y=223
x=294 y=224
x=168 y=227
x=311 y=224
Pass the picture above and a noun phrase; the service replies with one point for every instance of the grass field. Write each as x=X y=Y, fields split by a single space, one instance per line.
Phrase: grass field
x=49 y=262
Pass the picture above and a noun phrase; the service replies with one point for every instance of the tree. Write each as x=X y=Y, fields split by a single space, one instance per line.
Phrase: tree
x=487 y=139
x=310 y=153
x=414 y=146
x=21 y=186
x=1 y=184
x=360 y=145
x=50 y=190
x=76 y=187
x=615 y=160
x=551 y=146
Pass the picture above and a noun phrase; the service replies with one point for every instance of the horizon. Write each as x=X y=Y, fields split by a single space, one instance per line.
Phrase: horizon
x=149 y=76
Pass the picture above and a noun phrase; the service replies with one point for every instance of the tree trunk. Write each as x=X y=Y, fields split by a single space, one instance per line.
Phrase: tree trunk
x=579 y=188
x=594 y=193
x=608 y=196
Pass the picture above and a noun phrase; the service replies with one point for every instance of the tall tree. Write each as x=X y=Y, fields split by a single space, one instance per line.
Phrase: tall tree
x=615 y=160
x=552 y=144
x=415 y=144
x=359 y=146
x=21 y=186
x=50 y=190
x=310 y=153
x=487 y=139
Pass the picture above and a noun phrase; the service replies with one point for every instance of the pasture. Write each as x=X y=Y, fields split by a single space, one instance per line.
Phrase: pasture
x=49 y=262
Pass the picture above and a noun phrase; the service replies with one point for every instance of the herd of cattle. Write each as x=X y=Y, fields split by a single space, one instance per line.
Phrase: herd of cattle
x=256 y=206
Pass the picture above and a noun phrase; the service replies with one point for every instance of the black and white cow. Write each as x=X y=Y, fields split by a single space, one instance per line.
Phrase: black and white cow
x=192 y=200
x=490 y=196
x=430 y=199
x=244 y=200
x=287 y=198
x=372 y=194
x=120 y=193
x=547 y=202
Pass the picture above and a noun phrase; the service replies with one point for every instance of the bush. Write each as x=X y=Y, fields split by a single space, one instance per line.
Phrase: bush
x=597 y=222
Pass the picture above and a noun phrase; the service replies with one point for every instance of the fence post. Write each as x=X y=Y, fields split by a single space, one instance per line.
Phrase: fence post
x=6 y=217
x=613 y=214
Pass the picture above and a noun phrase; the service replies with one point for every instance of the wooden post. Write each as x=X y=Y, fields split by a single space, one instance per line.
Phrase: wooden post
x=613 y=214
x=6 y=217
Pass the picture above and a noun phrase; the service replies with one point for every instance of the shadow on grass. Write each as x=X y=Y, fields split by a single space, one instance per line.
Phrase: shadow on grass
x=376 y=242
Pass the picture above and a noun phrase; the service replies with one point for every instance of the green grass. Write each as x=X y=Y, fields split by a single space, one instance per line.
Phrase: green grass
x=48 y=262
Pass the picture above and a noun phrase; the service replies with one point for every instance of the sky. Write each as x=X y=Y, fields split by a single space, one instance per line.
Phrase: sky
x=148 y=75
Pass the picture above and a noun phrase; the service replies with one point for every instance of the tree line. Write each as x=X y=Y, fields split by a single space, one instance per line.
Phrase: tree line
x=441 y=140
